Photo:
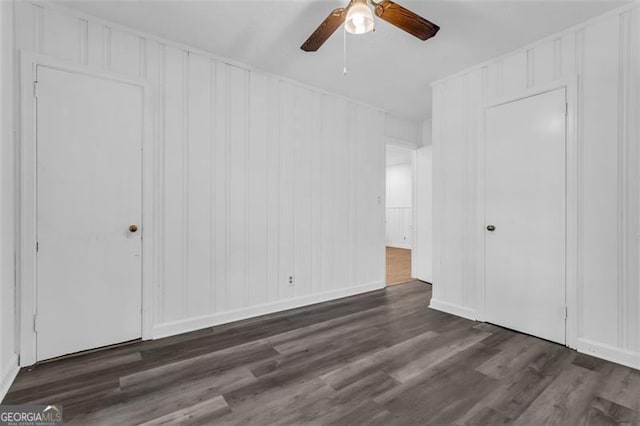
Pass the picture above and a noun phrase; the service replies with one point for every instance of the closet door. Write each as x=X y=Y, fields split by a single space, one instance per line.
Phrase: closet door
x=89 y=211
x=525 y=234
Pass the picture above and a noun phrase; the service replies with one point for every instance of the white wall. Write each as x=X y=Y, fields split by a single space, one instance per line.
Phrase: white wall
x=402 y=132
x=399 y=194
x=603 y=54
x=255 y=177
x=422 y=262
x=399 y=229
x=399 y=185
x=8 y=357
x=427 y=132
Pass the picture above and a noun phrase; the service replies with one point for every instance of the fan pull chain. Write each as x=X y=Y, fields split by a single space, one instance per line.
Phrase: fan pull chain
x=344 y=45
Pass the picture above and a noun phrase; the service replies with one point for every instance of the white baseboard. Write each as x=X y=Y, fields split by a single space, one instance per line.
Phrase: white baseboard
x=400 y=246
x=609 y=353
x=192 y=324
x=453 y=309
x=9 y=374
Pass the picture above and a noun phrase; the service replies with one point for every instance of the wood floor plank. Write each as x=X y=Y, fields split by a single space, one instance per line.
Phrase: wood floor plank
x=368 y=413
x=291 y=369
x=620 y=385
x=515 y=354
x=272 y=407
x=380 y=358
x=338 y=404
x=445 y=346
x=201 y=413
x=604 y=412
x=70 y=367
x=513 y=396
x=464 y=362
x=484 y=416
x=565 y=400
x=441 y=399
x=127 y=407
x=191 y=369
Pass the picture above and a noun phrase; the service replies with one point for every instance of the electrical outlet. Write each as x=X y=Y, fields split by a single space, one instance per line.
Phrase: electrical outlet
x=290 y=280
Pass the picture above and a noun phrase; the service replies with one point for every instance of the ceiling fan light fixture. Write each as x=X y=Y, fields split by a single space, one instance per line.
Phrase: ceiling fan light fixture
x=359 y=18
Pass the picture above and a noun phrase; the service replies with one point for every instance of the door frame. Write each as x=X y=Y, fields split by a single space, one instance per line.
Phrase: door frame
x=26 y=201
x=572 y=191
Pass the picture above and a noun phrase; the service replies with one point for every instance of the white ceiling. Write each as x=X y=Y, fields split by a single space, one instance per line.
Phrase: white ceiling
x=397 y=155
x=388 y=68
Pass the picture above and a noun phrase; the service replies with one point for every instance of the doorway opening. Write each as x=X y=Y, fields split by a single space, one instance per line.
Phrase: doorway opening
x=399 y=214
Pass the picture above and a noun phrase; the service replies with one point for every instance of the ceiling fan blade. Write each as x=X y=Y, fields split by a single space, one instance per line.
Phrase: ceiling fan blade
x=324 y=31
x=406 y=20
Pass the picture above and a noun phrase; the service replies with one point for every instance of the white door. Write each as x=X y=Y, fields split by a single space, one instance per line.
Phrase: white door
x=89 y=140
x=525 y=215
x=423 y=248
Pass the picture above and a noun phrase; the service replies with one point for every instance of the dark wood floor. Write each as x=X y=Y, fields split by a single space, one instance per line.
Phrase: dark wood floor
x=378 y=358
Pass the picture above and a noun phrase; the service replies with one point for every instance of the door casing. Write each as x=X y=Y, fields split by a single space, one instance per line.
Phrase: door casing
x=573 y=190
x=26 y=276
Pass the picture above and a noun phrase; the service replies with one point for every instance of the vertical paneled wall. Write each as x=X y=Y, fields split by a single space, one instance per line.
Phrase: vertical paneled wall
x=256 y=178
x=402 y=131
x=8 y=358
x=399 y=227
x=602 y=56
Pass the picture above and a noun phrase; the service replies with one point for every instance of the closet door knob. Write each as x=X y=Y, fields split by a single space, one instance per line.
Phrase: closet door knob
x=133 y=228
x=491 y=228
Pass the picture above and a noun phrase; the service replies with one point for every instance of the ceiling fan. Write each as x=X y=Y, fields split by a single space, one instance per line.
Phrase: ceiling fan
x=358 y=19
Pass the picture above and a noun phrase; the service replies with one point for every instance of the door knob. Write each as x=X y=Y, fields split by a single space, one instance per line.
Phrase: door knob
x=133 y=228
x=491 y=228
